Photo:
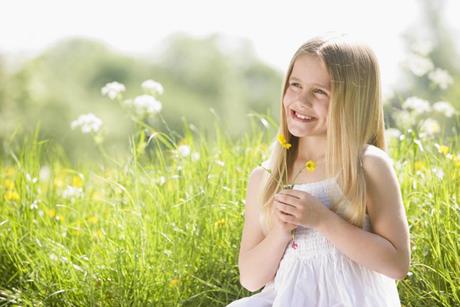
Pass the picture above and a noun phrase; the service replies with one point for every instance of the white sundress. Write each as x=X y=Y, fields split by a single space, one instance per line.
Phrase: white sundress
x=316 y=273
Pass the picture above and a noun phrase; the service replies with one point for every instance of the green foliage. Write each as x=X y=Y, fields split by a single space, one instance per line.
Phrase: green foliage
x=163 y=229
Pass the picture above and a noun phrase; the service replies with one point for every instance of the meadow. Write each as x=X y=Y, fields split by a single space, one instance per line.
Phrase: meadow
x=162 y=228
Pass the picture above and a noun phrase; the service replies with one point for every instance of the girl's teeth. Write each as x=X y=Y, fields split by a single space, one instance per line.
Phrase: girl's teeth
x=302 y=117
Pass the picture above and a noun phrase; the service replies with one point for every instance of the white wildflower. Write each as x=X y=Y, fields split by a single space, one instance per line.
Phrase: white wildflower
x=195 y=156
x=444 y=107
x=429 y=127
x=423 y=47
x=44 y=173
x=184 y=150
x=88 y=123
x=264 y=123
x=419 y=65
x=53 y=257
x=219 y=162
x=72 y=192
x=153 y=86
x=438 y=172
x=392 y=133
x=34 y=205
x=29 y=178
x=404 y=119
x=441 y=78
x=112 y=89
x=417 y=105
x=145 y=104
x=161 y=180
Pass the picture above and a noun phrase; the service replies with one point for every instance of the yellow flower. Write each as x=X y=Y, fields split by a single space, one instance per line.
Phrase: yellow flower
x=443 y=149
x=310 y=165
x=283 y=142
x=77 y=182
x=174 y=282
x=51 y=212
x=10 y=171
x=9 y=184
x=11 y=195
x=419 y=165
x=92 y=219
x=219 y=223
x=456 y=160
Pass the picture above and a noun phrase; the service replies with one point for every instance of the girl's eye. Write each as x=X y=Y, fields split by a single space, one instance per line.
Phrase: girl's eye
x=295 y=84
x=319 y=91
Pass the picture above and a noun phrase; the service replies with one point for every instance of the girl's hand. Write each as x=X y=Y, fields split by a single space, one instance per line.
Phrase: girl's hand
x=280 y=227
x=300 y=208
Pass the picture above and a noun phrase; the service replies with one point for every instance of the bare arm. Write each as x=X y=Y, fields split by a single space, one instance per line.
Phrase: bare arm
x=387 y=249
x=260 y=255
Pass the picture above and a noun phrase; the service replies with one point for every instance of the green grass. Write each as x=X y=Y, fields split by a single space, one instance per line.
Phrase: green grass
x=130 y=240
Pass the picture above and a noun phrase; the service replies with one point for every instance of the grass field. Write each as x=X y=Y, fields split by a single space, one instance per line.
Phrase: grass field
x=163 y=228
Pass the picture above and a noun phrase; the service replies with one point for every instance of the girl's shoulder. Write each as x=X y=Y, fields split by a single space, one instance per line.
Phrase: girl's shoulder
x=372 y=152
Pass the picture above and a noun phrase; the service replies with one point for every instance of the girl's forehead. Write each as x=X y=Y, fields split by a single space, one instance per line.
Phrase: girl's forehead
x=310 y=69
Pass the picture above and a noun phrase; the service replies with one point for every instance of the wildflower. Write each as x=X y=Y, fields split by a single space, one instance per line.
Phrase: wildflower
x=184 y=150
x=161 y=180
x=113 y=89
x=392 y=133
x=44 y=173
x=72 y=192
x=264 y=122
x=34 y=205
x=93 y=219
x=174 y=282
x=444 y=108
x=77 y=181
x=441 y=78
x=11 y=196
x=283 y=141
x=29 y=178
x=219 y=162
x=419 y=165
x=417 y=105
x=153 y=86
x=423 y=47
x=443 y=149
x=8 y=184
x=219 y=223
x=10 y=171
x=195 y=156
x=88 y=123
x=310 y=165
x=429 y=127
x=145 y=105
x=51 y=213
x=438 y=172
x=419 y=65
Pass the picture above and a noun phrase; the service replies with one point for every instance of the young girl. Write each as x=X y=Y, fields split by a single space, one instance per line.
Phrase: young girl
x=350 y=237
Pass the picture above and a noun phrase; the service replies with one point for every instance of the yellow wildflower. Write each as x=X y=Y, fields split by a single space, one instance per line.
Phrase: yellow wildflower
x=174 y=282
x=419 y=165
x=283 y=141
x=92 y=219
x=310 y=165
x=9 y=184
x=51 y=213
x=443 y=149
x=219 y=223
x=10 y=171
x=11 y=195
x=77 y=182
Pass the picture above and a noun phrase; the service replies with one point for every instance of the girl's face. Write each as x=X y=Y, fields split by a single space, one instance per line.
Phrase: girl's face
x=306 y=100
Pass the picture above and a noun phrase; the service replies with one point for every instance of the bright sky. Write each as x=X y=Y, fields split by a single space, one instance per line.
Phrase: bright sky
x=276 y=28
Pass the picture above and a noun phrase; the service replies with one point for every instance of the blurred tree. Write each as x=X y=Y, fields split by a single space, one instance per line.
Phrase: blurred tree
x=197 y=74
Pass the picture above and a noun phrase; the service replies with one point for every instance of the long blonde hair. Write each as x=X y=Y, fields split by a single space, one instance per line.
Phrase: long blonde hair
x=355 y=118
